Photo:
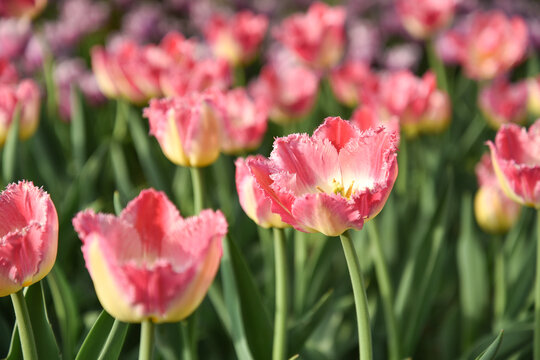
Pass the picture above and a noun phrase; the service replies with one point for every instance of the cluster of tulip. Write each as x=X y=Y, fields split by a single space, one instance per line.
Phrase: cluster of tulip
x=149 y=265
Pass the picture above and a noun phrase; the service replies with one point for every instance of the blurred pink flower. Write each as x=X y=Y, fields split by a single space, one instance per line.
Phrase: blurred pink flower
x=330 y=182
x=21 y=8
x=516 y=160
x=373 y=116
x=253 y=200
x=317 y=37
x=422 y=18
x=364 y=41
x=402 y=56
x=187 y=128
x=14 y=35
x=236 y=39
x=350 y=80
x=495 y=213
x=29 y=234
x=487 y=44
x=244 y=121
x=533 y=95
x=288 y=91
x=8 y=73
x=149 y=262
x=502 y=102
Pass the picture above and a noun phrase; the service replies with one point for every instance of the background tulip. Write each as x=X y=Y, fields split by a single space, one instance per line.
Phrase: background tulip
x=423 y=18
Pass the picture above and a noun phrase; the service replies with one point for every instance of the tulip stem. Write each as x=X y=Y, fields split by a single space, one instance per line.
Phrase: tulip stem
x=360 y=298
x=537 y=293
x=197 y=182
x=26 y=334
x=436 y=64
x=147 y=340
x=280 y=319
x=387 y=294
x=499 y=281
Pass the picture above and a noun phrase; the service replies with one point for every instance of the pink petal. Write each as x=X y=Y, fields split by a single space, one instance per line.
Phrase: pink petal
x=338 y=131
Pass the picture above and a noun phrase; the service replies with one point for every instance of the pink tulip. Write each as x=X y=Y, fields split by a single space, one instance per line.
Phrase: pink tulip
x=8 y=73
x=26 y=96
x=187 y=128
x=14 y=35
x=488 y=44
x=125 y=71
x=21 y=8
x=244 y=122
x=236 y=39
x=372 y=116
x=29 y=236
x=516 y=160
x=289 y=91
x=423 y=18
x=350 y=80
x=317 y=37
x=503 y=102
x=494 y=211
x=254 y=202
x=330 y=182
x=149 y=263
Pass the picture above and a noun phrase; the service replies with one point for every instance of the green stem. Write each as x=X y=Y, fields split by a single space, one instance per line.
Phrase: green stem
x=360 y=298
x=300 y=255
x=499 y=281
x=387 y=293
x=198 y=195
x=436 y=64
x=280 y=319
x=28 y=342
x=187 y=328
x=147 y=340
x=537 y=293
x=120 y=123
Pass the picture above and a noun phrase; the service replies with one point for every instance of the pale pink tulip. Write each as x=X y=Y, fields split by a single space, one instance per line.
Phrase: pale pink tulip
x=316 y=37
x=503 y=102
x=253 y=200
x=237 y=38
x=372 y=116
x=351 y=80
x=330 y=182
x=26 y=96
x=187 y=128
x=149 y=263
x=495 y=213
x=29 y=231
x=422 y=18
x=516 y=160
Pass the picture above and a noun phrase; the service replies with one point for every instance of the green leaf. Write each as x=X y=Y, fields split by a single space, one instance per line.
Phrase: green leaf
x=473 y=277
x=96 y=338
x=77 y=129
x=302 y=330
x=121 y=171
x=113 y=345
x=9 y=157
x=66 y=310
x=491 y=351
x=256 y=320
x=46 y=345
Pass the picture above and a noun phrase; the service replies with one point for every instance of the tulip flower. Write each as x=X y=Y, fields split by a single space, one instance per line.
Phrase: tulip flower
x=8 y=73
x=317 y=37
x=503 y=102
x=187 y=128
x=330 y=182
x=25 y=95
x=516 y=159
x=29 y=236
x=244 y=121
x=149 y=263
x=533 y=95
x=236 y=39
x=350 y=80
x=487 y=44
x=289 y=91
x=494 y=211
x=372 y=116
x=422 y=18
x=21 y=8
x=14 y=35
x=253 y=200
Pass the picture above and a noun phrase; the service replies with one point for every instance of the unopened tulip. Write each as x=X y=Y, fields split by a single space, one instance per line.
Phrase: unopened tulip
x=149 y=263
x=236 y=39
x=503 y=102
x=24 y=95
x=316 y=37
x=244 y=121
x=288 y=90
x=494 y=211
x=253 y=199
x=330 y=182
x=187 y=128
x=423 y=18
x=516 y=160
x=29 y=231
x=21 y=8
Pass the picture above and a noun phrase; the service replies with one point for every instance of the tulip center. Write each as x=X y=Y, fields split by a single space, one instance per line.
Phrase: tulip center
x=339 y=188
